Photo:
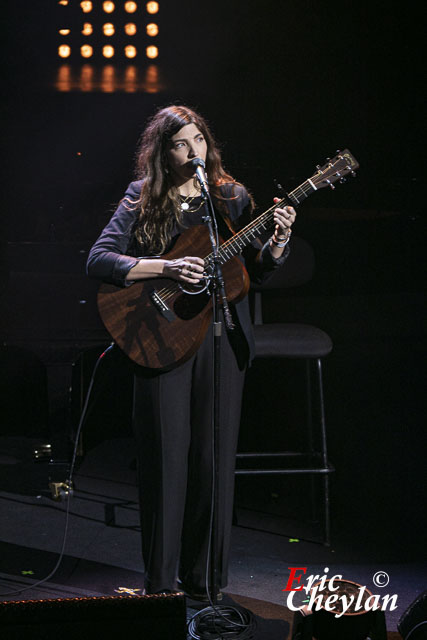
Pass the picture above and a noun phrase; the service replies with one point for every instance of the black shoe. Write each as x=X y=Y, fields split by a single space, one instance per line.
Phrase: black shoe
x=193 y=594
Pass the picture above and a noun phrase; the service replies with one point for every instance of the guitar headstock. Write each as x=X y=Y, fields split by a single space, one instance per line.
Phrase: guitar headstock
x=335 y=170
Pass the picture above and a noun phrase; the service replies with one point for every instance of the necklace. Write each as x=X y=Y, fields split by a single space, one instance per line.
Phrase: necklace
x=186 y=203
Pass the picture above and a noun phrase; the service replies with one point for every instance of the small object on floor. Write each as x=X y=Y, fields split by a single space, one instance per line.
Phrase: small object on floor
x=293 y=539
x=60 y=490
x=130 y=592
x=27 y=573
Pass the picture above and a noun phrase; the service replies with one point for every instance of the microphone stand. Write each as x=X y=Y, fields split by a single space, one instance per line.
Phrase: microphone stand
x=218 y=295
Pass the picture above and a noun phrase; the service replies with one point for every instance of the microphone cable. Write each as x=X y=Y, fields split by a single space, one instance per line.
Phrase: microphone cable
x=68 y=482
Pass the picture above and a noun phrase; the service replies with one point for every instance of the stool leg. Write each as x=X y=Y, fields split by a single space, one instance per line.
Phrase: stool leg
x=327 y=529
x=308 y=370
x=309 y=405
x=324 y=454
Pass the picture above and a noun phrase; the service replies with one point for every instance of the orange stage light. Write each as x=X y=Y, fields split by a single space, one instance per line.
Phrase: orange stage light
x=108 y=29
x=86 y=6
x=86 y=51
x=152 y=29
x=130 y=29
x=152 y=7
x=108 y=7
x=64 y=51
x=131 y=7
x=130 y=51
x=108 y=51
x=87 y=29
x=152 y=52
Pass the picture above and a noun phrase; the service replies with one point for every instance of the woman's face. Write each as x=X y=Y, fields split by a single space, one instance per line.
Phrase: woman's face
x=186 y=144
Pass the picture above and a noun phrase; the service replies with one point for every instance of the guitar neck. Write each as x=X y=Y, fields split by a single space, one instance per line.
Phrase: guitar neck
x=334 y=170
x=264 y=222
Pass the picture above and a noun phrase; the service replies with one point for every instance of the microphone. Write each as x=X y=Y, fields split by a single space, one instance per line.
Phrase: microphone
x=199 y=167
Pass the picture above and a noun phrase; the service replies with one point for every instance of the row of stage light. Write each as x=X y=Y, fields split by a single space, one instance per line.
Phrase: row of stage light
x=86 y=51
x=109 y=7
x=114 y=32
x=108 y=78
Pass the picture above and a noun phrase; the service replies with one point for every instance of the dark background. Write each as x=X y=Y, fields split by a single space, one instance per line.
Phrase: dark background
x=283 y=84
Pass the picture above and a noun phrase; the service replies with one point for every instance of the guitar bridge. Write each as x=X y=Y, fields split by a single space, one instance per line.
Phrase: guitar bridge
x=161 y=306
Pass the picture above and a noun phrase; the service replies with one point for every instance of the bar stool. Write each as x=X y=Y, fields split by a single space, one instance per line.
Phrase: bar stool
x=295 y=341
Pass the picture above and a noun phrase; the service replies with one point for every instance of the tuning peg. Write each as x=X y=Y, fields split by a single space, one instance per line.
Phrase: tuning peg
x=353 y=173
x=342 y=180
x=318 y=167
x=327 y=159
x=337 y=151
x=329 y=183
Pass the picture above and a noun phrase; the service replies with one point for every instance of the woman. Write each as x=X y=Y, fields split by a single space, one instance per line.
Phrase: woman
x=172 y=410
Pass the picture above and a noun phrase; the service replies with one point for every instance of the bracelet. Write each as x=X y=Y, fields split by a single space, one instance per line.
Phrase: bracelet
x=282 y=238
x=281 y=242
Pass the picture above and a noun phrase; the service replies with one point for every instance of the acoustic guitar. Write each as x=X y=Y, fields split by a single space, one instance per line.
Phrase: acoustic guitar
x=158 y=324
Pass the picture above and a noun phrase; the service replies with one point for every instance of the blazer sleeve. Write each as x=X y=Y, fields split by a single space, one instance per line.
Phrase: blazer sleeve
x=108 y=259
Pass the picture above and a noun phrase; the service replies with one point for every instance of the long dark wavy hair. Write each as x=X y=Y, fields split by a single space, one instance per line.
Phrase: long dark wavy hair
x=159 y=202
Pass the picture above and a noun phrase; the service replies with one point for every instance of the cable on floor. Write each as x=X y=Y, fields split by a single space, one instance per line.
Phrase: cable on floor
x=222 y=623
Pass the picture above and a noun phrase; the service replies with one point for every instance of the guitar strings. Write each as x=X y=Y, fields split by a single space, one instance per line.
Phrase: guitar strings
x=170 y=291
x=167 y=292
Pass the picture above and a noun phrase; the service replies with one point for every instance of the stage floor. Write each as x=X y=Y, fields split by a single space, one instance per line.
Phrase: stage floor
x=102 y=551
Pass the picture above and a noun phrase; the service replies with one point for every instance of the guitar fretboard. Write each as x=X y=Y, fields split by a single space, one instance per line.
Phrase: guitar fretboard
x=264 y=222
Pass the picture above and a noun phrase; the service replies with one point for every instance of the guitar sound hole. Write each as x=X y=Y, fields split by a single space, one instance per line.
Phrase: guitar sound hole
x=187 y=307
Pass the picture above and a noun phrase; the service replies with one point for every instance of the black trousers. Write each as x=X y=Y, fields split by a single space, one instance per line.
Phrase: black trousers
x=173 y=429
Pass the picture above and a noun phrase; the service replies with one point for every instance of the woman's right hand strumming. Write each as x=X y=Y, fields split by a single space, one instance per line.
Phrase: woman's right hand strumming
x=189 y=269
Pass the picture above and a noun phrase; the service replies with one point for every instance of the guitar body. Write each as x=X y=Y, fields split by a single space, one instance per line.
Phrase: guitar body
x=163 y=335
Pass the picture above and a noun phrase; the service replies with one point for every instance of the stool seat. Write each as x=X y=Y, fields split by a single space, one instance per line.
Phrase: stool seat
x=288 y=340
